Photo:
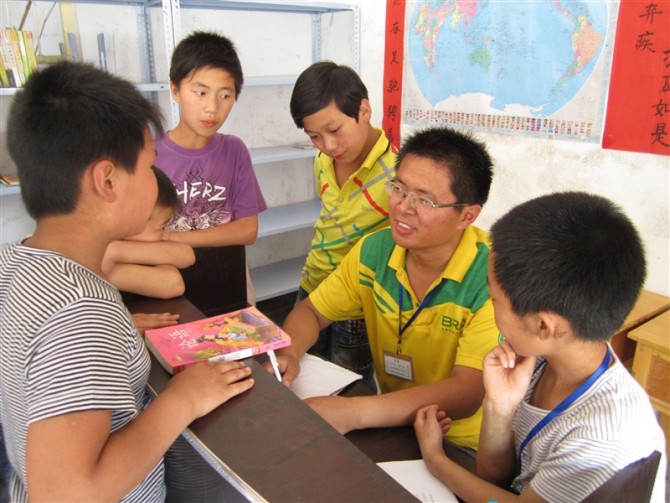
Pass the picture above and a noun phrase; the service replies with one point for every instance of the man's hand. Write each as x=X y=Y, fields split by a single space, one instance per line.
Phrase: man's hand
x=289 y=367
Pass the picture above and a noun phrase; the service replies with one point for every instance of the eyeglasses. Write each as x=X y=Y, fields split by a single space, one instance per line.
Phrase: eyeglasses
x=399 y=193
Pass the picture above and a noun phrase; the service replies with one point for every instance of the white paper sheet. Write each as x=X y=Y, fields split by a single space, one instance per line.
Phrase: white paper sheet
x=414 y=476
x=319 y=377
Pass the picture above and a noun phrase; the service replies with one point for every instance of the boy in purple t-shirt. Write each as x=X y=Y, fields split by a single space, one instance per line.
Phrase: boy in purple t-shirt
x=212 y=172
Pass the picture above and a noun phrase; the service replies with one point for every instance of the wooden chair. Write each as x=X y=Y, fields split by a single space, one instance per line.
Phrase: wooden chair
x=217 y=282
x=633 y=484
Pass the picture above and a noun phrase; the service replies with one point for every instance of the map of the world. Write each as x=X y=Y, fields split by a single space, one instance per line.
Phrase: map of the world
x=516 y=62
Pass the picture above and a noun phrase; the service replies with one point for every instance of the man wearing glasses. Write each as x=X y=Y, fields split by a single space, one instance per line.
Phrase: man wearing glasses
x=421 y=287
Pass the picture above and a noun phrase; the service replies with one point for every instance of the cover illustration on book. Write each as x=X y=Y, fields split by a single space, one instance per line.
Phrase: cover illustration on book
x=225 y=337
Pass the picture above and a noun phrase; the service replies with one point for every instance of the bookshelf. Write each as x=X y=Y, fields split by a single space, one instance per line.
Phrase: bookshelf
x=313 y=30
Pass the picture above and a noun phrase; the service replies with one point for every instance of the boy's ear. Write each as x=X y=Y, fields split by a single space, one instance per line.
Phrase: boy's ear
x=103 y=179
x=365 y=110
x=550 y=325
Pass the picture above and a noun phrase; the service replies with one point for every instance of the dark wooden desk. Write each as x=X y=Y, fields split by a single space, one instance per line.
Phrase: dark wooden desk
x=270 y=446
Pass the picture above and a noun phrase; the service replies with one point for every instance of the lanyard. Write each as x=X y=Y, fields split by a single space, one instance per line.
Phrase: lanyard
x=565 y=404
x=424 y=303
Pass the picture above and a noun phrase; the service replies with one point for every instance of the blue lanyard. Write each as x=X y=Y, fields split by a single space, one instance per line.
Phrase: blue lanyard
x=424 y=303
x=564 y=404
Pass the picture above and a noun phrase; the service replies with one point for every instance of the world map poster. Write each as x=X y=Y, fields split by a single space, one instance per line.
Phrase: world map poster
x=535 y=68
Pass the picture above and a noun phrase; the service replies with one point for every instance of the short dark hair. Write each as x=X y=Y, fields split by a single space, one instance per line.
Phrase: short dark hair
x=202 y=49
x=66 y=117
x=571 y=253
x=324 y=82
x=167 y=193
x=469 y=163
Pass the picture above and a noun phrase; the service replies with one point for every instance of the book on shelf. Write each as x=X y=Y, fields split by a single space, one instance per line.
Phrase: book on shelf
x=30 y=49
x=10 y=180
x=225 y=337
x=17 y=56
x=27 y=70
x=9 y=60
x=13 y=37
x=4 y=78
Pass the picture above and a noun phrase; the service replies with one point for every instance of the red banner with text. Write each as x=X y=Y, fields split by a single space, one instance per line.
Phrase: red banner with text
x=393 y=67
x=638 y=105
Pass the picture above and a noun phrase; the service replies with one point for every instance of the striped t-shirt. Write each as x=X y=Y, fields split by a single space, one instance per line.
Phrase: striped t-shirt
x=607 y=428
x=68 y=345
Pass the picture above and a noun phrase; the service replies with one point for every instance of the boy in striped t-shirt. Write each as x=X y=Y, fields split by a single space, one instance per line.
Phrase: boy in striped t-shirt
x=562 y=415
x=73 y=367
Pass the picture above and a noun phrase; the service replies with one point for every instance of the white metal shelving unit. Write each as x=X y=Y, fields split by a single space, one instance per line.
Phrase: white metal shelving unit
x=274 y=279
x=145 y=53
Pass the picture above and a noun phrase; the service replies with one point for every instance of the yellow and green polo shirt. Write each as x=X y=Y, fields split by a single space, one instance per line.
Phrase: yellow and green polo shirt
x=347 y=213
x=457 y=327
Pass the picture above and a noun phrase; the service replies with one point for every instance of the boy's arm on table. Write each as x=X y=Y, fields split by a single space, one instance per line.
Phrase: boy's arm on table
x=146 y=321
x=303 y=324
x=459 y=396
x=74 y=457
x=179 y=255
x=463 y=483
x=157 y=281
x=242 y=231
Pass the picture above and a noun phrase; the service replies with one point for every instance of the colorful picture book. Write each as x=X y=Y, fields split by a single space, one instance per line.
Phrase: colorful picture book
x=225 y=337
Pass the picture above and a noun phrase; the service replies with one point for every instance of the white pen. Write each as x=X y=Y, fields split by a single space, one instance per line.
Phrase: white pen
x=275 y=365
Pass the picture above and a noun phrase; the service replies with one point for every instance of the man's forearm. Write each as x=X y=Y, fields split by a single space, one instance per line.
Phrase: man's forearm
x=459 y=396
x=303 y=325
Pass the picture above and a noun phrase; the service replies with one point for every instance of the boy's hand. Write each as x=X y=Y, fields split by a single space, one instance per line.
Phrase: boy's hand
x=144 y=321
x=207 y=385
x=430 y=426
x=507 y=376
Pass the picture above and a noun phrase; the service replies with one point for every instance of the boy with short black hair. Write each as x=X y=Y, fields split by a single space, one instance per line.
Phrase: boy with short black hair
x=561 y=413
x=74 y=368
x=355 y=160
x=213 y=173
x=147 y=263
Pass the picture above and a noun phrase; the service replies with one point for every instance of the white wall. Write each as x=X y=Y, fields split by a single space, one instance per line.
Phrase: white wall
x=525 y=167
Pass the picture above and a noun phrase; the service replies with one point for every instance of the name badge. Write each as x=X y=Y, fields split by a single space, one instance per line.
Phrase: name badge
x=399 y=366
